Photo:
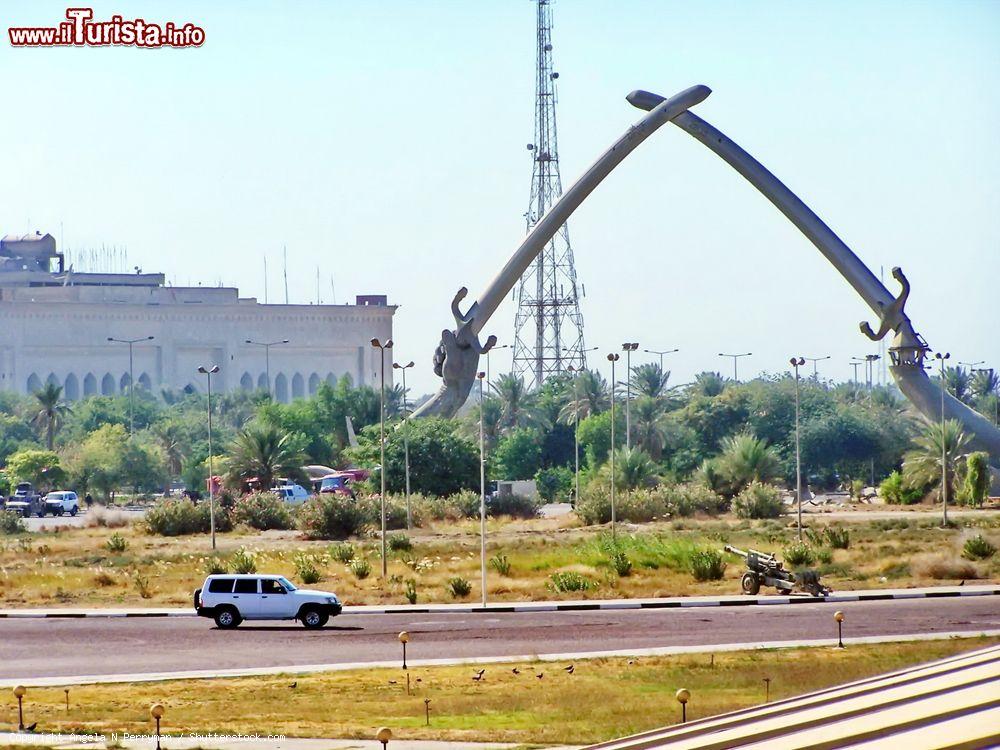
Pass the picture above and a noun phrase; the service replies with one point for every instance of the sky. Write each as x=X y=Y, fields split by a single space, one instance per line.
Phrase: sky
x=383 y=144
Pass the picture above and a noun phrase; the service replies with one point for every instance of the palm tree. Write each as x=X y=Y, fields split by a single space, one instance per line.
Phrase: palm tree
x=649 y=380
x=171 y=439
x=515 y=399
x=957 y=382
x=647 y=424
x=922 y=465
x=985 y=383
x=53 y=410
x=588 y=394
x=263 y=451
x=633 y=469
x=746 y=458
x=708 y=384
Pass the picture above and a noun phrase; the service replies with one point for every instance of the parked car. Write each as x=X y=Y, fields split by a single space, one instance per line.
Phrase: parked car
x=26 y=501
x=294 y=494
x=60 y=502
x=336 y=484
x=230 y=599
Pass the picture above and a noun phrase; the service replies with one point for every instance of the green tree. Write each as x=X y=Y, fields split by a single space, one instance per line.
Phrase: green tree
x=517 y=402
x=977 y=478
x=588 y=393
x=595 y=436
x=518 y=455
x=261 y=451
x=922 y=466
x=108 y=460
x=650 y=380
x=708 y=384
x=42 y=468
x=746 y=458
x=633 y=469
x=52 y=411
x=958 y=383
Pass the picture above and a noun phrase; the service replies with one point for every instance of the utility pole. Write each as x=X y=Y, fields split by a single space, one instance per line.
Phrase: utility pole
x=381 y=435
x=665 y=351
x=628 y=349
x=944 y=445
x=406 y=440
x=482 y=492
x=131 y=378
x=208 y=372
x=612 y=358
x=797 y=362
x=814 y=360
x=736 y=357
x=267 y=357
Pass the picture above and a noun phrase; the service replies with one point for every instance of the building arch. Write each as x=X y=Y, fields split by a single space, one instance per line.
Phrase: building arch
x=123 y=383
x=281 y=388
x=89 y=385
x=190 y=389
x=34 y=383
x=314 y=382
x=262 y=382
x=298 y=386
x=246 y=382
x=108 y=385
x=71 y=388
x=52 y=379
x=145 y=382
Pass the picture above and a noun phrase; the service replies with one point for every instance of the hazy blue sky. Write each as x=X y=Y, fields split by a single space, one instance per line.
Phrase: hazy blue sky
x=384 y=143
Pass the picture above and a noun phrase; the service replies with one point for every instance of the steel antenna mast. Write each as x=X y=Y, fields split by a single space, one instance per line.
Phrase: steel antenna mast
x=548 y=327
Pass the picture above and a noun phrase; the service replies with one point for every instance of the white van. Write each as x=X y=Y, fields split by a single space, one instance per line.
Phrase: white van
x=293 y=494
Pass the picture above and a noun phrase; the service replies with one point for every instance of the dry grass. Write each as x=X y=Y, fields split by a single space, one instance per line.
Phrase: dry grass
x=74 y=567
x=601 y=699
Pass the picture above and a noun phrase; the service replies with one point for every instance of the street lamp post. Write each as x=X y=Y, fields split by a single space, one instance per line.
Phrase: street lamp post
x=19 y=691
x=628 y=348
x=944 y=444
x=208 y=372
x=814 y=360
x=736 y=357
x=996 y=396
x=267 y=357
x=576 y=432
x=381 y=434
x=856 y=363
x=406 y=441
x=157 y=711
x=131 y=379
x=482 y=491
x=492 y=348
x=797 y=362
x=665 y=351
x=612 y=358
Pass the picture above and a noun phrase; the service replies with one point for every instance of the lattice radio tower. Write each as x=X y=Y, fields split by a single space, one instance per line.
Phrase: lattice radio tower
x=548 y=327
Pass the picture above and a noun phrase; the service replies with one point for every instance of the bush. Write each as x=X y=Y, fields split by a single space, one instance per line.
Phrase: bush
x=554 y=484
x=243 y=561
x=456 y=507
x=360 y=567
x=621 y=563
x=944 y=568
x=306 y=568
x=837 y=538
x=978 y=548
x=343 y=552
x=500 y=564
x=977 y=478
x=458 y=587
x=116 y=543
x=11 y=522
x=758 y=500
x=262 y=511
x=707 y=565
x=399 y=543
x=411 y=591
x=569 y=581
x=142 y=585
x=895 y=492
x=215 y=566
x=799 y=555
x=694 y=497
x=516 y=506
x=824 y=556
x=331 y=517
x=636 y=506
x=103 y=578
x=179 y=517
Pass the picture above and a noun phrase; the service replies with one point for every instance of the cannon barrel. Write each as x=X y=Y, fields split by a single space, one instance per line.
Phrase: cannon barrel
x=735 y=550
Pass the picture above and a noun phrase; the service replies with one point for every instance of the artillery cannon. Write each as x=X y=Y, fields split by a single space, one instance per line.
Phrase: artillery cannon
x=765 y=569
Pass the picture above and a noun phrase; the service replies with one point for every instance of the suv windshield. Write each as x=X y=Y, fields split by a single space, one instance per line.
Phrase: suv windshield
x=289 y=586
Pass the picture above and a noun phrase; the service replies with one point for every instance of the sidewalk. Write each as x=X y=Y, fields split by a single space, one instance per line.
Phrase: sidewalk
x=557 y=606
x=95 y=742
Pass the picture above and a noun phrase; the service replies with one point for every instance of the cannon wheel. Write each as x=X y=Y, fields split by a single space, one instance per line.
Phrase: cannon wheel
x=750 y=583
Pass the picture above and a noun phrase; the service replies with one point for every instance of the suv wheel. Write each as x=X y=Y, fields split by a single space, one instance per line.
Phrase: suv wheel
x=74 y=510
x=312 y=618
x=227 y=618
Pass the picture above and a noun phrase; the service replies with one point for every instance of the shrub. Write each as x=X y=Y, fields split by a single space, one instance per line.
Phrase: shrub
x=707 y=565
x=11 y=523
x=142 y=585
x=758 y=500
x=331 y=517
x=179 y=517
x=895 y=492
x=262 y=511
x=621 y=563
x=307 y=568
x=343 y=552
x=500 y=564
x=411 y=591
x=243 y=561
x=824 y=556
x=360 y=567
x=694 y=497
x=103 y=578
x=944 y=568
x=978 y=548
x=399 y=543
x=554 y=484
x=371 y=511
x=857 y=487
x=516 y=506
x=977 y=478
x=837 y=538
x=567 y=581
x=215 y=566
x=799 y=555
x=458 y=587
x=116 y=543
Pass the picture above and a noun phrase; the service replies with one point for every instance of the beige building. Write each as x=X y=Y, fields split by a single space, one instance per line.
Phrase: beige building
x=55 y=325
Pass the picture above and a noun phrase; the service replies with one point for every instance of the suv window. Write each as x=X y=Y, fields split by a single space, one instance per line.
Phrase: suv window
x=220 y=586
x=245 y=586
x=271 y=586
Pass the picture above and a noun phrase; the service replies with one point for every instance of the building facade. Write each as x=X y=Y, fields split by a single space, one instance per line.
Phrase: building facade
x=55 y=326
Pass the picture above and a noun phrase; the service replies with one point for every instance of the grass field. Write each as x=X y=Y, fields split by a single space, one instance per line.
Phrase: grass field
x=76 y=567
x=601 y=699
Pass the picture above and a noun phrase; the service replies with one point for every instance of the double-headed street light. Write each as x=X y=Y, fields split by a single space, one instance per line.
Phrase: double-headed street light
x=797 y=362
x=735 y=358
x=208 y=372
x=131 y=380
x=381 y=434
x=267 y=356
x=406 y=441
x=665 y=351
x=612 y=358
x=628 y=348
x=856 y=363
x=944 y=443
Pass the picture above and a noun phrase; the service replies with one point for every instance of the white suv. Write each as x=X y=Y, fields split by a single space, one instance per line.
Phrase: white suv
x=58 y=503
x=230 y=599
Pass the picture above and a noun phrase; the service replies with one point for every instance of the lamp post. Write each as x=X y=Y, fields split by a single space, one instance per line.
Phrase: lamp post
x=482 y=491
x=19 y=692
x=576 y=420
x=735 y=358
x=797 y=362
x=683 y=696
x=488 y=351
x=665 y=351
x=628 y=348
x=208 y=372
x=814 y=360
x=944 y=444
x=131 y=379
x=996 y=396
x=839 y=617
x=381 y=435
x=404 y=638
x=267 y=357
x=612 y=358
x=157 y=711
x=856 y=363
x=383 y=735
x=406 y=440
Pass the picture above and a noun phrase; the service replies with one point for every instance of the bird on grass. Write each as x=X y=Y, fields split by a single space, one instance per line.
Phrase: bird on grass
x=631 y=662
x=479 y=675
x=515 y=670
x=569 y=669
x=31 y=727
x=540 y=675
x=392 y=682
x=294 y=685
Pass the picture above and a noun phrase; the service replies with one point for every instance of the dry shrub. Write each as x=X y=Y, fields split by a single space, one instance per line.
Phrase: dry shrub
x=942 y=568
x=104 y=578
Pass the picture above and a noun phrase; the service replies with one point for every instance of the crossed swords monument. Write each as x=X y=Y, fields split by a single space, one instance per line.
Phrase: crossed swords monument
x=456 y=359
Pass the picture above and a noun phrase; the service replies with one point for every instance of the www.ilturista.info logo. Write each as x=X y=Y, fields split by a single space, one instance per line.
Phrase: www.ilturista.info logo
x=80 y=30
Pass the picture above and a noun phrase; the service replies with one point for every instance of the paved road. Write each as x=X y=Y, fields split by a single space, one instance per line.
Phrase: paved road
x=95 y=646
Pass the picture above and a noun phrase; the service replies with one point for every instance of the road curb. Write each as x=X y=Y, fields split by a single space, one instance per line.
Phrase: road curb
x=568 y=606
